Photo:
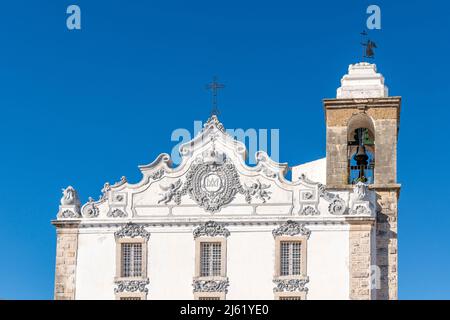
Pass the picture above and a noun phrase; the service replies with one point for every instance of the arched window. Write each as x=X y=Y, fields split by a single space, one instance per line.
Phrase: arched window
x=361 y=150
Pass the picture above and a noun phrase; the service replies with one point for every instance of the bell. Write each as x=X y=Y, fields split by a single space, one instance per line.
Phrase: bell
x=361 y=156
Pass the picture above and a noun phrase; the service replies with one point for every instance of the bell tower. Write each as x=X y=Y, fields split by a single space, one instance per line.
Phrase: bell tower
x=362 y=125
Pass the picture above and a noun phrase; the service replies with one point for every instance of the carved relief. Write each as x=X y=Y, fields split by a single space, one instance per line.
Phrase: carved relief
x=169 y=191
x=116 y=213
x=70 y=197
x=131 y=286
x=257 y=190
x=309 y=211
x=211 y=285
x=131 y=230
x=211 y=229
x=90 y=210
x=291 y=285
x=291 y=228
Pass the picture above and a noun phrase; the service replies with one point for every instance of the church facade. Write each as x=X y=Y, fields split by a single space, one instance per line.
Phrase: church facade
x=215 y=228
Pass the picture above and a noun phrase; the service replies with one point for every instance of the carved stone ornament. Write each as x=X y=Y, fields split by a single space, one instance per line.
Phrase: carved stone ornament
x=257 y=190
x=131 y=286
x=116 y=213
x=70 y=197
x=337 y=205
x=360 y=190
x=68 y=214
x=291 y=285
x=131 y=230
x=360 y=210
x=157 y=175
x=291 y=228
x=211 y=229
x=309 y=211
x=212 y=182
x=90 y=210
x=211 y=285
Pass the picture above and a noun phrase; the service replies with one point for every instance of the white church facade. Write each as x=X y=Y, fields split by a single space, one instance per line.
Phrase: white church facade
x=215 y=228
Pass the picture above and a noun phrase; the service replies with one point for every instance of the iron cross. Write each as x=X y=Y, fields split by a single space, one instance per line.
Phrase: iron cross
x=214 y=86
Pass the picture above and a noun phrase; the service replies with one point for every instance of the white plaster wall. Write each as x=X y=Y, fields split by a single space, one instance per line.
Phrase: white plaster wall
x=250 y=263
x=314 y=170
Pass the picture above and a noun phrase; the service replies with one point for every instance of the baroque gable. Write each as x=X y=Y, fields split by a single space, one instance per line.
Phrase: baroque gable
x=213 y=179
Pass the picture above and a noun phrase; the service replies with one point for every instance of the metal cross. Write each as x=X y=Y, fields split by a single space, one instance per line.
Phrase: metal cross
x=214 y=86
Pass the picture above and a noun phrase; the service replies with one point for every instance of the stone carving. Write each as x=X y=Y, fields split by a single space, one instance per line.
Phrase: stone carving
x=213 y=120
x=360 y=210
x=169 y=191
x=257 y=190
x=68 y=214
x=337 y=206
x=90 y=210
x=116 y=213
x=360 y=190
x=131 y=230
x=70 y=197
x=291 y=285
x=131 y=286
x=309 y=211
x=291 y=228
x=157 y=175
x=308 y=195
x=211 y=229
x=211 y=285
x=269 y=173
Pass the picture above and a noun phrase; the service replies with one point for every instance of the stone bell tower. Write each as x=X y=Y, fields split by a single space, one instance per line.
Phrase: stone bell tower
x=362 y=126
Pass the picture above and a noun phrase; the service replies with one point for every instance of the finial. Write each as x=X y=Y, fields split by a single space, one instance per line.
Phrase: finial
x=214 y=86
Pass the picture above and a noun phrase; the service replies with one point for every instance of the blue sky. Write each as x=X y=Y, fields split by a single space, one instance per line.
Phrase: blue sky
x=86 y=107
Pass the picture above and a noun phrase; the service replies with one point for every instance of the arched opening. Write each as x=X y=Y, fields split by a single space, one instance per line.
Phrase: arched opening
x=361 y=150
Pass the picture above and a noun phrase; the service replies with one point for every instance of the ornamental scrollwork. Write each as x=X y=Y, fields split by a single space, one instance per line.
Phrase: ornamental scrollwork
x=69 y=214
x=90 y=210
x=257 y=190
x=131 y=286
x=157 y=175
x=131 y=230
x=291 y=228
x=337 y=205
x=291 y=285
x=309 y=211
x=116 y=213
x=211 y=285
x=169 y=191
x=211 y=229
x=360 y=210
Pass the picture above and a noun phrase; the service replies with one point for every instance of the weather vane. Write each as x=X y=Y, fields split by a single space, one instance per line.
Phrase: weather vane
x=368 y=46
x=214 y=86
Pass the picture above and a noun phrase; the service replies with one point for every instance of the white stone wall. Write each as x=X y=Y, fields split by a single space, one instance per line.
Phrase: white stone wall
x=250 y=262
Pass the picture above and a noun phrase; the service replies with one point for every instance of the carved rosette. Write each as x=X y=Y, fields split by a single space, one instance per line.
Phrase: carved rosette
x=211 y=285
x=131 y=286
x=211 y=229
x=291 y=285
x=116 y=213
x=309 y=211
x=131 y=230
x=291 y=228
x=337 y=205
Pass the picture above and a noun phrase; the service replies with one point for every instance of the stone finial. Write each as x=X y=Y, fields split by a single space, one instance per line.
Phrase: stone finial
x=362 y=81
x=70 y=204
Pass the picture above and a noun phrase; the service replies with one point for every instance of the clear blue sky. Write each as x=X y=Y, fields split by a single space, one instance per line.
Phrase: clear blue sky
x=86 y=107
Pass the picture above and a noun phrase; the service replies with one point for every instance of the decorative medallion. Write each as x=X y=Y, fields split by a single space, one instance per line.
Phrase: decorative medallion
x=131 y=286
x=309 y=211
x=211 y=229
x=211 y=285
x=291 y=228
x=131 y=230
x=90 y=210
x=291 y=285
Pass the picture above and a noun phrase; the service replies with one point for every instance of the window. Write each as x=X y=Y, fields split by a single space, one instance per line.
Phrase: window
x=210 y=259
x=131 y=260
x=290 y=258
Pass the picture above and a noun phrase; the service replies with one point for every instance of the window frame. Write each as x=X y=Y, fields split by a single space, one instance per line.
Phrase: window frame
x=303 y=256
x=223 y=257
x=119 y=243
x=281 y=295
